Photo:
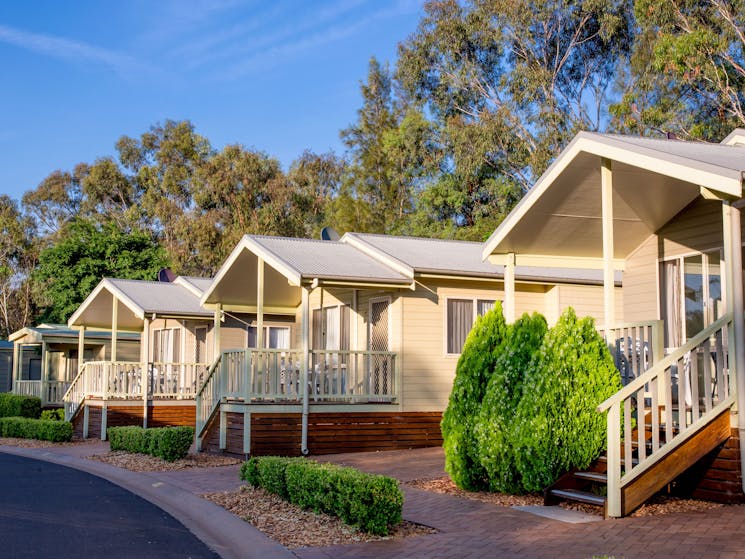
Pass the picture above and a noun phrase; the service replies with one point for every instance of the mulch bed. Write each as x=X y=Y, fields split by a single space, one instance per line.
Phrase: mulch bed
x=146 y=463
x=294 y=527
x=33 y=443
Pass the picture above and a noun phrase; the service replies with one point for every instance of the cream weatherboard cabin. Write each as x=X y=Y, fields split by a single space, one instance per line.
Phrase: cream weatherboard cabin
x=665 y=213
x=376 y=325
x=177 y=345
x=45 y=358
x=371 y=325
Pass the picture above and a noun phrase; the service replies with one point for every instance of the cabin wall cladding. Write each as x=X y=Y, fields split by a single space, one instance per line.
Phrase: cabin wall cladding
x=328 y=433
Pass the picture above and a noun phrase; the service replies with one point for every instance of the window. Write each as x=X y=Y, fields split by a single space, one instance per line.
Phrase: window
x=331 y=328
x=167 y=345
x=461 y=314
x=690 y=295
x=275 y=337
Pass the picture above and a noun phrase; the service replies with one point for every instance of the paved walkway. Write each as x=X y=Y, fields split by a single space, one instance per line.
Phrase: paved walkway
x=466 y=529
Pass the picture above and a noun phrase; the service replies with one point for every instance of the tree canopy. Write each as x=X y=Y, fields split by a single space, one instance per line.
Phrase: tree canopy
x=483 y=95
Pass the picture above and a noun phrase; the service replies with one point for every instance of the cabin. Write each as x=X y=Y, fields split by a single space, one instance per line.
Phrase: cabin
x=356 y=341
x=665 y=213
x=178 y=345
x=45 y=358
x=6 y=365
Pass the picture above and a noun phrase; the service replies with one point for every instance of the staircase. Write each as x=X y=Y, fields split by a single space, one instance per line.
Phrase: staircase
x=674 y=414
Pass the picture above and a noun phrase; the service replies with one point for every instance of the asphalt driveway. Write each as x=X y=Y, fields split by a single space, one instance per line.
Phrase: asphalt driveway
x=47 y=510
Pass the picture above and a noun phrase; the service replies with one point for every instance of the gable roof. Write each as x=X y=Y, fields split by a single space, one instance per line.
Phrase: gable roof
x=653 y=180
x=140 y=298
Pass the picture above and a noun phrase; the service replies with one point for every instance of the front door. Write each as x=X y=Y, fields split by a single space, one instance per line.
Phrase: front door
x=379 y=340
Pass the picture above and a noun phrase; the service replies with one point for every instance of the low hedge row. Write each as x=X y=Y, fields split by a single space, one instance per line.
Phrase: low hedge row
x=168 y=443
x=56 y=414
x=15 y=405
x=373 y=503
x=42 y=429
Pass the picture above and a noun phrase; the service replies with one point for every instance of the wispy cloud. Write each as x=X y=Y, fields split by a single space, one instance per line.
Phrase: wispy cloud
x=273 y=55
x=68 y=49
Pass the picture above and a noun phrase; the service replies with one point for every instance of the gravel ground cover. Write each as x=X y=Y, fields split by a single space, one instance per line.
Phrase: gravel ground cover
x=33 y=443
x=661 y=504
x=146 y=463
x=294 y=527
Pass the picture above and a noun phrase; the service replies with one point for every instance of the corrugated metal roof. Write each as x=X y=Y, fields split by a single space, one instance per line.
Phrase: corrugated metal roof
x=200 y=283
x=328 y=260
x=463 y=258
x=160 y=297
x=440 y=256
x=63 y=332
x=718 y=155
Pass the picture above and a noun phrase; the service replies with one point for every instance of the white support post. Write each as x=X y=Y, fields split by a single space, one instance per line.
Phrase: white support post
x=733 y=262
x=81 y=348
x=86 y=420
x=609 y=288
x=509 y=288
x=614 y=461
x=246 y=431
x=114 y=326
x=305 y=313
x=217 y=320
x=45 y=374
x=145 y=374
x=260 y=304
x=223 y=429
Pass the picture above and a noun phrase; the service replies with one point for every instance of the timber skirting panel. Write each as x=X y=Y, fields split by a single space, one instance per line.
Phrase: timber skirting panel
x=719 y=476
x=120 y=416
x=328 y=433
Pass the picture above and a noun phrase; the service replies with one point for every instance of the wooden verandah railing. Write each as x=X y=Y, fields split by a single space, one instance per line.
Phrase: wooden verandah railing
x=277 y=376
x=50 y=392
x=112 y=380
x=679 y=395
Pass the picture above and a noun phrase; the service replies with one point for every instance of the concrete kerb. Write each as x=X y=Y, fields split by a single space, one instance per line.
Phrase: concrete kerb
x=223 y=532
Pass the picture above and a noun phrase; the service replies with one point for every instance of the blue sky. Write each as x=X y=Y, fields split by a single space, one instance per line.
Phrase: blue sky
x=279 y=76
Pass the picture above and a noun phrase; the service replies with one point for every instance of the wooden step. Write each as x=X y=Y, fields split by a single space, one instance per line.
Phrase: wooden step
x=596 y=477
x=580 y=496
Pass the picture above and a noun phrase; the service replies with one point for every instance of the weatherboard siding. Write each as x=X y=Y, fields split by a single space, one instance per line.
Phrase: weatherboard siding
x=698 y=228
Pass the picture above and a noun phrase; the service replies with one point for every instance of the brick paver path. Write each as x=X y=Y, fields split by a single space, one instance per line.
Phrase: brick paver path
x=471 y=529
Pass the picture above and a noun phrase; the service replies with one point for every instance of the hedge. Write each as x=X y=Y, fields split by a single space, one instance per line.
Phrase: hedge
x=472 y=373
x=496 y=420
x=56 y=414
x=168 y=443
x=557 y=427
x=15 y=405
x=370 y=502
x=42 y=429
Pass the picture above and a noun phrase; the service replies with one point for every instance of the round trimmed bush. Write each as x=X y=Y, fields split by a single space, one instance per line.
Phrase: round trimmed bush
x=475 y=367
x=495 y=421
x=556 y=425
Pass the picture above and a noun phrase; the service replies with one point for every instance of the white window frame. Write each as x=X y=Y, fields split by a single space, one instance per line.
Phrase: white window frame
x=266 y=327
x=182 y=343
x=475 y=301
x=680 y=258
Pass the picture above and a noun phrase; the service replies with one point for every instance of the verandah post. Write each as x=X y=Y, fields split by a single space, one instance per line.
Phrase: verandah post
x=614 y=461
x=609 y=287
x=509 y=288
x=305 y=312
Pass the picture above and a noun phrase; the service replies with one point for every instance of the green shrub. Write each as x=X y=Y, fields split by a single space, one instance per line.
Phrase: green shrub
x=495 y=423
x=250 y=472
x=475 y=367
x=15 y=405
x=56 y=414
x=168 y=443
x=42 y=429
x=556 y=425
x=371 y=502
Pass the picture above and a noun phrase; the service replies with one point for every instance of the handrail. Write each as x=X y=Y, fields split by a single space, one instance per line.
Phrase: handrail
x=672 y=401
x=210 y=371
x=664 y=363
x=74 y=381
